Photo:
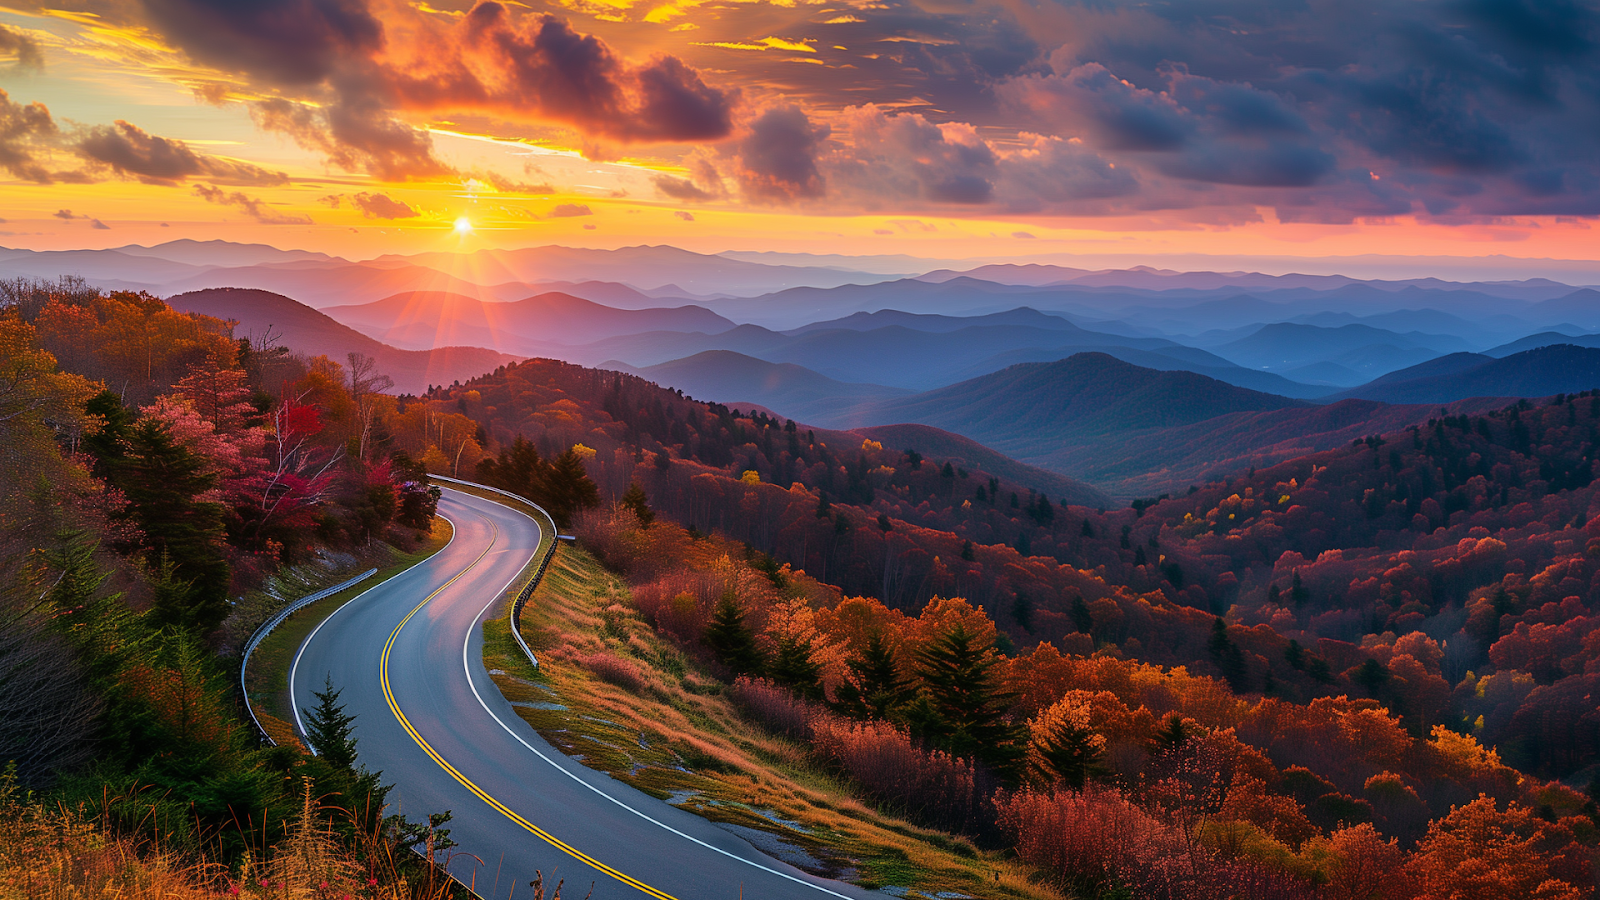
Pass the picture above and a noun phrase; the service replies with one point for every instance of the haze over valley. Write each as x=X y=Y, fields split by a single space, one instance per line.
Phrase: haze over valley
x=1135 y=381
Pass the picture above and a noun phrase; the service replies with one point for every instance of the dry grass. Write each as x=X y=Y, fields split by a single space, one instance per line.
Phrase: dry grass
x=55 y=853
x=626 y=702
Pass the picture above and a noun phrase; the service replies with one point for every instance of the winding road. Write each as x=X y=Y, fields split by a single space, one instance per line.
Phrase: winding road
x=408 y=656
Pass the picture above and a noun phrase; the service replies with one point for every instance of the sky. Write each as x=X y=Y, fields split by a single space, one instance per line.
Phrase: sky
x=953 y=129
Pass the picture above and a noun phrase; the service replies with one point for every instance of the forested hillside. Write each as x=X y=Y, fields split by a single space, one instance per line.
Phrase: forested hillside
x=1378 y=658
x=155 y=475
x=1361 y=641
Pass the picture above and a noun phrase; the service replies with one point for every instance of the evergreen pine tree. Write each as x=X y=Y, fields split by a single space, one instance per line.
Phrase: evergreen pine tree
x=1372 y=676
x=1227 y=655
x=106 y=632
x=964 y=707
x=1022 y=611
x=794 y=667
x=1072 y=754
x=1172 y=735
x=876 y=689
x=1081 y=619
x=636 y=500
x=731 y=641
x=107 y=446
x=570 y=489
x=1295 y=655
x=161 y=479
x=1297 y=591
x=328 y=728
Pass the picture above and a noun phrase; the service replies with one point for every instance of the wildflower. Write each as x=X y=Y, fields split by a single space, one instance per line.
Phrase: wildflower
x=372 y=882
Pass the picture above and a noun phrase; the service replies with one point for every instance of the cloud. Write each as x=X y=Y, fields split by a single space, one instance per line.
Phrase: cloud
x=342 y=81
x=882 y=231
x=1022 y=234
x=540 y=65
x=686 y=216
x=680 y=188
x=253 y=207
x=381 y=206
x=570 y=210
x=132 y=153
x=99 y=225
x=372 y=206
x=355 y=134
x=775 y=160
x=507 y=185
x=908 y=157
x=282 y=42
x=23 y=50
x=31 y=141
x=26 y=135
x=1479 y=108
x=67 y=214
x=704 y=181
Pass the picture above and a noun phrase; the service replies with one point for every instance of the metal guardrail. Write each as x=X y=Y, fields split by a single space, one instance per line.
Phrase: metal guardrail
x=266 y=629
x=544 y=562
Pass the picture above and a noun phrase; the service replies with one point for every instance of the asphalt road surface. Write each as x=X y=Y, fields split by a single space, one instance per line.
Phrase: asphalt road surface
x=408 y=656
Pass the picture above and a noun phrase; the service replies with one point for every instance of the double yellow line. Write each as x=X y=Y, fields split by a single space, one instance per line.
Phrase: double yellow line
x=547 y=837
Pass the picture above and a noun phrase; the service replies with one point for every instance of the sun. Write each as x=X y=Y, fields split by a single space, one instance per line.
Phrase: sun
x=463 y=226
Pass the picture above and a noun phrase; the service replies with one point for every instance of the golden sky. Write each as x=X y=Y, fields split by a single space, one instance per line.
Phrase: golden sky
x=949 y=129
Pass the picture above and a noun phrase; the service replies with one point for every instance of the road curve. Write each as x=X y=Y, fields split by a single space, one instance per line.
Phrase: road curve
x=408 y=656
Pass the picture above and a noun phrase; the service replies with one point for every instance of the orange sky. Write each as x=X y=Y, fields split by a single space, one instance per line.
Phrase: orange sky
x=870 y=183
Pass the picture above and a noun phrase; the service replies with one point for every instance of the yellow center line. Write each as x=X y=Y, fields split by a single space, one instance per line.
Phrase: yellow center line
x=388 y=693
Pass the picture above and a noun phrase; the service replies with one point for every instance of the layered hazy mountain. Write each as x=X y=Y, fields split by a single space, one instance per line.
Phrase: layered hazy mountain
x=1135 y=380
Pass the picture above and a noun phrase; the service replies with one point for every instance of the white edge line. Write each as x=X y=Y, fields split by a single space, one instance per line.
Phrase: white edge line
x=295 y=666
x=466 y=664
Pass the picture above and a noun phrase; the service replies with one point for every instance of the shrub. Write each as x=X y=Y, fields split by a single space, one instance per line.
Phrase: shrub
x=939 y=789
x=615 y=670
x=775 y=707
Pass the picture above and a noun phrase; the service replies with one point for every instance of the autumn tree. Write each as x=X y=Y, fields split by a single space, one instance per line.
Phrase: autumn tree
x=1483 y=852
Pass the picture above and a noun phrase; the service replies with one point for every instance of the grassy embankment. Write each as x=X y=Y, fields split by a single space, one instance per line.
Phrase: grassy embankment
x=268 y=675
x=667 y=728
